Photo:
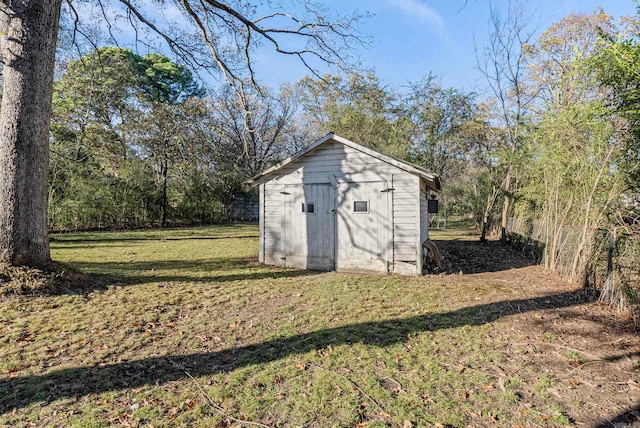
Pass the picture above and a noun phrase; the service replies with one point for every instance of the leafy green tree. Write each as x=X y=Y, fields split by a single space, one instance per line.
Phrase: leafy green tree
x=165 y=89
x=447 y=127
x=616 y=65
x=117 y=115
x=96 y=102
x=358 y=108
x=165 y=81
x=573 y=176
x=93 y=113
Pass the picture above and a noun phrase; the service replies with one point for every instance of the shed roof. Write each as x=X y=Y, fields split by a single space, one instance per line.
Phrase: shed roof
x=433 y=180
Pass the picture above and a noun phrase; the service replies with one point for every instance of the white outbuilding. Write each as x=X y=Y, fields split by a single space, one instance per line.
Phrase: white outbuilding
x=337 y=205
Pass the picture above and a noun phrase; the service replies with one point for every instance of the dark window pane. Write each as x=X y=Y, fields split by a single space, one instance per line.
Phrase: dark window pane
x=309 y=207
x=360 y=206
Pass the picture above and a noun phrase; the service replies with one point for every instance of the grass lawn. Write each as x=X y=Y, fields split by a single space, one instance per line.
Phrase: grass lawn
x=185 y=328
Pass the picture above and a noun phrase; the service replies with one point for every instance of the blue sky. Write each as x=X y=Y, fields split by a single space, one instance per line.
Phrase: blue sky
x=413 y=38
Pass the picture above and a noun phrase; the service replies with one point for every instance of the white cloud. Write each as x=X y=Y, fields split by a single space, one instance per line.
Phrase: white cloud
x=422 y=12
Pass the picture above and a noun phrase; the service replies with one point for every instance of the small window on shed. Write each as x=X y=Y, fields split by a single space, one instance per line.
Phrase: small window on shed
x=360 y=206
x=309 y=207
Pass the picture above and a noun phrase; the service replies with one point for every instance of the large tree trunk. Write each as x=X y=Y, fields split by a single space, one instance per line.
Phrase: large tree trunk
x=491 y=200
x=28 y=32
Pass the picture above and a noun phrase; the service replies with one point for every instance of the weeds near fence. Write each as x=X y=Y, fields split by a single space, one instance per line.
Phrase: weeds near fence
x=611 y=267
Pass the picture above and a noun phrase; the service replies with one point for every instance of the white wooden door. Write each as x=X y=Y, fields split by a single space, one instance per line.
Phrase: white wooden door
x=363 y=226
x=309 y=226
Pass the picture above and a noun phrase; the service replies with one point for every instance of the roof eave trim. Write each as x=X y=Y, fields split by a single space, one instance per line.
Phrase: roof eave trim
x=405 y=166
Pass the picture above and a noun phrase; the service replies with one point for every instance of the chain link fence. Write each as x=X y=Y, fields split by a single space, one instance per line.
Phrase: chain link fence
x=611 y=266
x=213 y=212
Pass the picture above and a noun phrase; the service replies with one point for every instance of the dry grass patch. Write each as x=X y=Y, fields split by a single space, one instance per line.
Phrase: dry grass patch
x=56 y=278
x=191 y=331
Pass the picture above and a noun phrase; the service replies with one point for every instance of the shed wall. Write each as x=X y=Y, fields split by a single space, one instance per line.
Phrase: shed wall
x=405 y=224
x=343 y=162
x=424 y=216
x=273 y=224
x=424 y=211
x=336 y=163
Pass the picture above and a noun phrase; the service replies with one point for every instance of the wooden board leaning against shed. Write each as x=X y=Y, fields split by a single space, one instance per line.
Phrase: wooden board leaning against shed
x=340 y=206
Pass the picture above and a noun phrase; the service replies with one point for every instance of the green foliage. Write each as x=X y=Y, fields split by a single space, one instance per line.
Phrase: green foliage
x=134 y=143
x=616 y=65
x=574 y=175
x=164 y=81
x=121 y=125
x=441 y=129
x=449 y=135
x=358 y=108
x=447 y=126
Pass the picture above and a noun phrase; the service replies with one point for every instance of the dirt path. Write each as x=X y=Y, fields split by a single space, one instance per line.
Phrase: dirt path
x=564 y=334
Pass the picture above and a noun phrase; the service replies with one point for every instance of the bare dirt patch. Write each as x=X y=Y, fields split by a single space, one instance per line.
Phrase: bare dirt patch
x=565 y=343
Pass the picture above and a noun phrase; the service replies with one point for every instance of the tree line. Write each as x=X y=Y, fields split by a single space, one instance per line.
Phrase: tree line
x=137 y=140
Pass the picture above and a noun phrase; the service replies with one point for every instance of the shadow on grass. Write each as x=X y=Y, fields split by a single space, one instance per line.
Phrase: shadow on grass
x=79 y=381
x=197 y=271
x=628 y=418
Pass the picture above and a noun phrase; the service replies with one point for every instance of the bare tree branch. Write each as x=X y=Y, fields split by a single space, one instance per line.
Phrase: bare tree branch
x=231 y=32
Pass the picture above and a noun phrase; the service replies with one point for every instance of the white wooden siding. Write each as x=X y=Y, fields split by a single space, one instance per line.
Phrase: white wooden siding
x=309 y=237
x=335 y=159
x=424 y=214
x=364 y=238
x=261 y=222
x=273 y=223
x=404 y=217
x=335 y=162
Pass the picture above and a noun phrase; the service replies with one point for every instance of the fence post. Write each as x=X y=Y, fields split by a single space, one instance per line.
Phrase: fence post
x=607 y=293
